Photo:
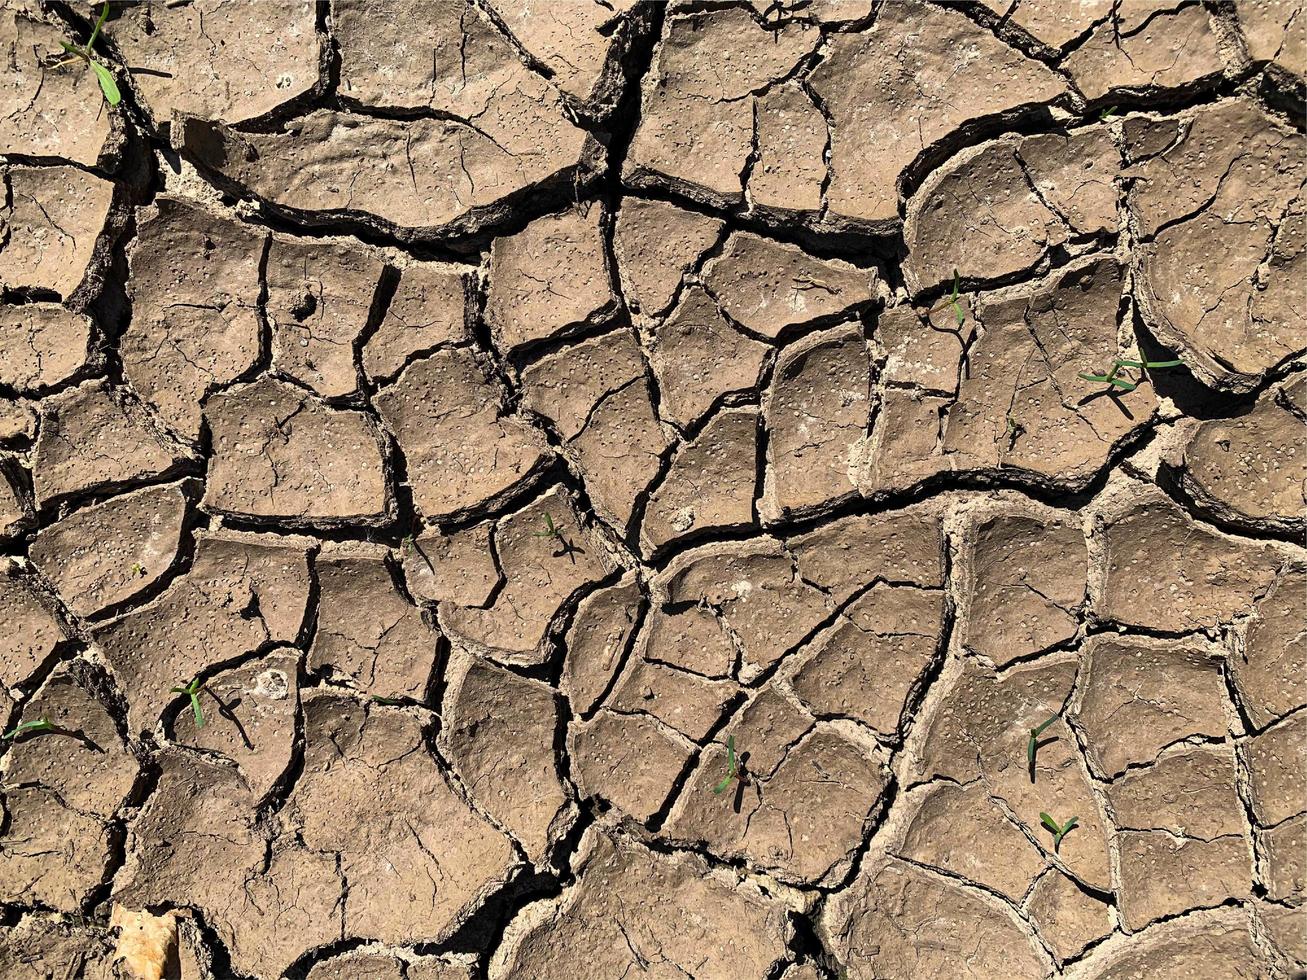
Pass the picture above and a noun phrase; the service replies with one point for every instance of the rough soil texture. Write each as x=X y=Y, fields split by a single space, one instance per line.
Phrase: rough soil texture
x=512 y=413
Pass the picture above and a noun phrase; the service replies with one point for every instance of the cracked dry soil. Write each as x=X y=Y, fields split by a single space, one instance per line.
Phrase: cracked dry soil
x=500 y=407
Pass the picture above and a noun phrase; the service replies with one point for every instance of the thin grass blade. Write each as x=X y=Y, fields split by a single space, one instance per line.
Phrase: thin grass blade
x=107 y=83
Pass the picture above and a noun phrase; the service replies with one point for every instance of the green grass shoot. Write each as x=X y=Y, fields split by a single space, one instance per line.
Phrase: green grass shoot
x=102 y=74
x=731 y=767
x=1058 y=831
x=41 y=724
x=551 y=530
x=389 y=702
x=1032 y=746
x=192 y=690
x=953 y=301
x=1113 y=378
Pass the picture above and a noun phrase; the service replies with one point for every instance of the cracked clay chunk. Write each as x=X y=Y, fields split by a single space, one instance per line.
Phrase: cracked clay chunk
x=364 y=964
x=1027 y=583
x=282 y=453
x=598 y=398
x=462 y=447
x=61 y=788
x=682 y=700
x=52 y=222
x=637 y=913
x=698 y=357
x=249 y=717
x=498 y=734
x=697 y=115
x=767 y=286
x=538 y=575
x=242 y=591
x=429 y=309
x=1068 y=917
x=418 y=860
x=802 y=818
x=390 y=651
x=195 y=287
x=320 y=294
x=196 y=843
x=1163 y=875
x=896 y=920
x=500 y=128
x=41 y=344
x=843 y=556
x=107 y=553
x=1023 y=405
x=575 y=42
x=1159 y=691
x=630 y=760
x=1271 y=670
x=710 y=482
x=93 y=438
x=977 y=736
x=818 y=414
x=598 y=638
x=219 y=59
x=1277 y=786
x=790 y=171
x=550 y=278
x=757 y=591
x=44 y=112
x=865 y=666
x=1250 y=469
x=1146 y=46
x=900 y=86
x=1166 y=571
x=1225 y=222
x=656 y=244
x=1209 y=943
x=996 y=209
x=32 y=631
x=1272 y=31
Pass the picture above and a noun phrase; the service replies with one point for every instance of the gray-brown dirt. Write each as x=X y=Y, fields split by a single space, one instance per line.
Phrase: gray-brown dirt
x=504 y=415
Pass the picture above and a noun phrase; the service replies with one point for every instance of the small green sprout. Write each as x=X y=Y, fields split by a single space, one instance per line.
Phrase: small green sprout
x=41 y=724
x=731 y=767
x=551 y=529
x=1032 y=746
x=1109 y=111
x=1058 y=832
x=406 y=546
x=1111 y=377
x=390 y=702
x=102 y=74
x=192 y=690
x=951 y=301
x=138 y=569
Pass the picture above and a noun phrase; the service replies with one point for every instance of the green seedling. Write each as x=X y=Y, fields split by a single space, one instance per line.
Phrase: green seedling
x=1109 y=111
x=1032 y=746
x=1113 y=378
x=102 y=74
x=41 y=724
x=406 y=546
x=551 y=529
x=138 y=569
x=1057 y=832
x=732 y=767
x=192 y=690
x=951 y=301
x=390 y=702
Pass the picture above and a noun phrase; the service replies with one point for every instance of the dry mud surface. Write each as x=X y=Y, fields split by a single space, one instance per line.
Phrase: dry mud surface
x=502 y=409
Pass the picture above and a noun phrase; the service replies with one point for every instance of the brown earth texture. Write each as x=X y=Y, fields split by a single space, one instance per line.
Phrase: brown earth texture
x=723 y=489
